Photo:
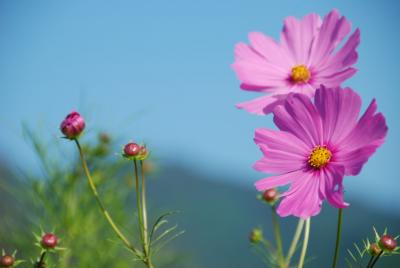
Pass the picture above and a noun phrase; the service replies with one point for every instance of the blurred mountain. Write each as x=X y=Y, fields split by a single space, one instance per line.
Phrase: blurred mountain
x=218 y=217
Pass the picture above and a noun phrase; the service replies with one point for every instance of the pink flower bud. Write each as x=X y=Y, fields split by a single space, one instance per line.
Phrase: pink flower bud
x=132 y=149
x=49 y=241
x=73 y=125
x=7 y=261
x=270 y=195
x=388 y=243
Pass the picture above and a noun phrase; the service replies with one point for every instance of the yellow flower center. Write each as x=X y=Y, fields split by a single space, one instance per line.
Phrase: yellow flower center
x=319 y=157
x=300 y=74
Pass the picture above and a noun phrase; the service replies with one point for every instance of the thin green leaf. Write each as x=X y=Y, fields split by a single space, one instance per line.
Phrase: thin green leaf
x=167 y=241
x=160 y=221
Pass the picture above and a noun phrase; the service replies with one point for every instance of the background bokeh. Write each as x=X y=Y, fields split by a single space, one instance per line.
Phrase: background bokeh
x=159 y=72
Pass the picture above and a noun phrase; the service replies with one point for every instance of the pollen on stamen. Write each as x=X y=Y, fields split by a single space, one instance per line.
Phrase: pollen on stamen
x=300 y=74
x=319 y=157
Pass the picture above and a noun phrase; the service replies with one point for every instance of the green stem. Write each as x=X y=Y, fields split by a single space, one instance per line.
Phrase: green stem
x=138 y=202
x=305 y=243
x=370 y=261
x=338 y=236
x=41 y=263
x=278 y=238
x=100 y=204
x=146 y=244
x=376 y=259
x=295 y=241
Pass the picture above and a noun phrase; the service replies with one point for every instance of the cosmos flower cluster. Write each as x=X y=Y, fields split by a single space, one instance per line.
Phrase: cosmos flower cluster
x=321 y=137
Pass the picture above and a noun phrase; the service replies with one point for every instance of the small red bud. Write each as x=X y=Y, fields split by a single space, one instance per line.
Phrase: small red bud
x=49 y=241
x=374 y=249
x=388 y=243
x=270 y=195
x=73 y=125
x=132 y=149
x=7 y=261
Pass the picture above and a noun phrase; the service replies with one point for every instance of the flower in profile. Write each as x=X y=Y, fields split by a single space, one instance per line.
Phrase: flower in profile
x=306 y=57
x=73 y=125
x=317 y=144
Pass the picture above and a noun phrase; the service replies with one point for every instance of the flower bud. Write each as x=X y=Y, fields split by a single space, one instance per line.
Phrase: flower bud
x=256 y=236
x=49 y=241
x=270 y=195
x=73 y=125
x=387 y=243
x=132 y=149
x=143 y=154
x=374 y=249
x=7 y=261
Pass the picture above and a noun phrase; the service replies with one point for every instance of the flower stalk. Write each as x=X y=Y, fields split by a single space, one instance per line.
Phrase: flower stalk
x=142 y=212
x=338 y=236
x=105 y=213
x=305 y=243
x=295 y=241
x=278 y=238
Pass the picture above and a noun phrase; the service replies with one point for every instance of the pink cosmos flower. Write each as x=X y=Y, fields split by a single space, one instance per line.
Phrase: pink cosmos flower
x=305 y=58
x=317 y=144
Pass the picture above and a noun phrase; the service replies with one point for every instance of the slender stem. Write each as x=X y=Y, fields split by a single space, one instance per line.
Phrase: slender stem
x=278 y=238
x=370 y=261
x=305 y=243
x=338 y=236
x=100 y=204
x=295 y=241
x=376 y=259
x=144 y=213
x=138 y=202
x=41 y=262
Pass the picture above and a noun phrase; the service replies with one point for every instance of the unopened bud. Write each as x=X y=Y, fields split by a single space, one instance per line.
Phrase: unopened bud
x=387 y=243
x=270 y=195
x=7 y=261
x=256 y=236
x=73 y=125
x=49 y=241
x=374 y=249
x=132 y=149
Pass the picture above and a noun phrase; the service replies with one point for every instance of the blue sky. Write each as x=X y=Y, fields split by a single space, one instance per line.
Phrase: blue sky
x=159 y=71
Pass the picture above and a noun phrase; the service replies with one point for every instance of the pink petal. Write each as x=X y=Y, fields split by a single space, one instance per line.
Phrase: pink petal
x=270 y=50
x=251 y=68
x=353 y=160
x=335 y=79
x=298 y=35
x=279 y=140
x=303 y=198
x=332 y=188
x=339 y=111
x=333 y=30
x=300 y=117
x=275 y=181
x=354 y=150
x=262 y=105
x=279 y=161
x=344 y=58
